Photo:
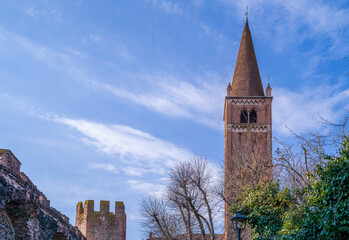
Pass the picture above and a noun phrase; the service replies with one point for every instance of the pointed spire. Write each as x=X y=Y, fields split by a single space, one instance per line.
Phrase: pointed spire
x=246 y=80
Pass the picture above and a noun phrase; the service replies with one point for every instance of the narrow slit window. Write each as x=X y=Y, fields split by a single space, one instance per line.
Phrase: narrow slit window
x=253 y=116
x=244 y=116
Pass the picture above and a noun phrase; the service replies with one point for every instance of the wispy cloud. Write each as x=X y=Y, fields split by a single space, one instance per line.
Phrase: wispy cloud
x=202 y=103
x=146 y=187
x=183 y=96
x=139 y=171
x=168 y=6
x=137 y=153
x=67 y=60
x=288 y=24
x=60 y=60
x=43 y=9
x=93 y=38
x=195 y=97
x=319 y=16
x=132 y=145
x=298 y=110
x=106 y=167
x=32 y=12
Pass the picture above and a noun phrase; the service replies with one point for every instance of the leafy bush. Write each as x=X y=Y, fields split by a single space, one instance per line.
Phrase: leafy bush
x=320 y=211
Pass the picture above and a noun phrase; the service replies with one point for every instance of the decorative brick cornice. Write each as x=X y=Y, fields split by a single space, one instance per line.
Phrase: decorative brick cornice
x=260 y=101
x=247 y=128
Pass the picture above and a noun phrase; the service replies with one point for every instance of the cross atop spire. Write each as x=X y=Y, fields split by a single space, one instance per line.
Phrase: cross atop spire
x=246 y=80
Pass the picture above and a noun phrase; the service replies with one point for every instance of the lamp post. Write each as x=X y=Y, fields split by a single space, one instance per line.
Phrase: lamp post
x=239 y=223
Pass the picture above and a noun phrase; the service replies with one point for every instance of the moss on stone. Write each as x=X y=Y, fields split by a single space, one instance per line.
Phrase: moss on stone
x=89 y=202
x=3 y=150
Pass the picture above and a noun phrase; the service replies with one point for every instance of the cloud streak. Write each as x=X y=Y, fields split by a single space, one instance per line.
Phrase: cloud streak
x=132 y=145
x=287 y=25
x=106 y=167
x=134 y=153
x=164 y=93
x=298 y=110
x=182 y=96
x=176 y=98
x=170 y=7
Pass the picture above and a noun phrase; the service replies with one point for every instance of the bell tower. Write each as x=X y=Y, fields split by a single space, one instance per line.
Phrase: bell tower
x=247 y=126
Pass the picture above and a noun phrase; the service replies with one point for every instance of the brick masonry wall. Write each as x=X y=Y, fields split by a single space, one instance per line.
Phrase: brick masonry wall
x=246 y=144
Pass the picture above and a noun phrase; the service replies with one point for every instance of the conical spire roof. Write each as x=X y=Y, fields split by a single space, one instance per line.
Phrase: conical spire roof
x=246 y=80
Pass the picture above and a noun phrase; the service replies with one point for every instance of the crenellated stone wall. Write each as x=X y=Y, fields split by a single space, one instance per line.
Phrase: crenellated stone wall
x=103 y=224
x=25 y=212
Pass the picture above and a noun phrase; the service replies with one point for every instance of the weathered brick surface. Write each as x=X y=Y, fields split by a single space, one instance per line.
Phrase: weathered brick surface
x=7 y=159
x=102 y=225
x=25 y=212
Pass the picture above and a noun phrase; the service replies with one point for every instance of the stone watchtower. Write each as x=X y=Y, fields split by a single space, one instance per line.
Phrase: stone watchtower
x=248 y=127
x=102 y=225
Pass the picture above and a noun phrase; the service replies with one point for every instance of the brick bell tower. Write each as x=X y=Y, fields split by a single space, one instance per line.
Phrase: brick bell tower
x=247 y=126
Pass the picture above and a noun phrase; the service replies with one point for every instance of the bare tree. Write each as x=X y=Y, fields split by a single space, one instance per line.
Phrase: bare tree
x=157 y=218
x=189 y=199
x=295 y=163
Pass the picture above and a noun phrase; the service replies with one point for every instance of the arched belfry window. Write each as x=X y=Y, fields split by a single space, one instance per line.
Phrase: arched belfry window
x=244 y=116
x=253 y=116
x=248 y=117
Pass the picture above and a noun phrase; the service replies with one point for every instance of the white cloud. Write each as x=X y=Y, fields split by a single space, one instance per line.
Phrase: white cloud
x=45 y=9
x=95 y=38
x=133 y=152
x=166 y=94
x=132 y=145
x=198 y=3
x=298 y=110
x=52 y=58
x=67 y=61
x=106 y=167
x=139 y=171
x=168 y=6
x=202 y=103
x=285 y=23
x=32 y=12
x=146 y=187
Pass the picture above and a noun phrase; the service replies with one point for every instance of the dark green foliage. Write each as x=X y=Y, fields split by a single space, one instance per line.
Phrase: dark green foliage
x=328 y=200
x=264 y=206
x=320 y=211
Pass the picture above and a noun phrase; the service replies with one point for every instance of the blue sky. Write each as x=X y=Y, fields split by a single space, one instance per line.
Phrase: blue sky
x=99 y=98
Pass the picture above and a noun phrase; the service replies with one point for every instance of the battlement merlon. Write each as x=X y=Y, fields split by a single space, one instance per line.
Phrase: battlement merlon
x=104 y=207
x=79 y=208
x=120 y=210
x=9 y=160
x=119 y=207
x=88 y=208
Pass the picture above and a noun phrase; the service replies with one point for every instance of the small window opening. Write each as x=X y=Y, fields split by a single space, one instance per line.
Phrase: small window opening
x=244 y=116
x=253 y=116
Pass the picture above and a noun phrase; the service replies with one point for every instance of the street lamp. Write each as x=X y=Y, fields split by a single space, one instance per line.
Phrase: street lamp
x=239 y=223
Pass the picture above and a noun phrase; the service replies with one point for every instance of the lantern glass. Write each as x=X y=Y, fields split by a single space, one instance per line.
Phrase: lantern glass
x=239 y=221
